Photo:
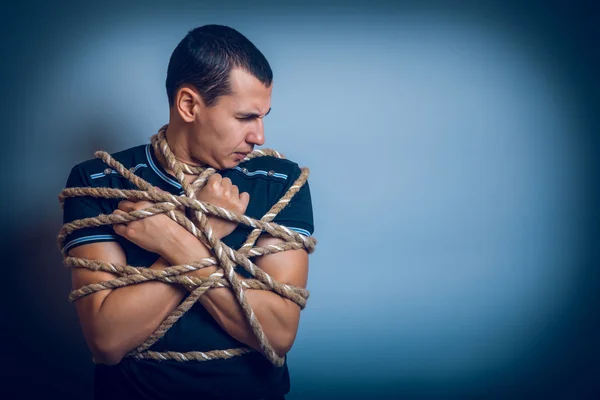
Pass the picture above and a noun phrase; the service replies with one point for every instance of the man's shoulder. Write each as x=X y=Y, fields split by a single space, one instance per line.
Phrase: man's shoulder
x=128 y=157
x=94 y=168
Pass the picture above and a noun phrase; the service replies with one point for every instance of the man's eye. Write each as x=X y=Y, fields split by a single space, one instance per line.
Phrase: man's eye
x=245 y=118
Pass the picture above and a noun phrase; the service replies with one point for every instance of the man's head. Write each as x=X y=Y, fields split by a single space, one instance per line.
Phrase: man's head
x=219 y=87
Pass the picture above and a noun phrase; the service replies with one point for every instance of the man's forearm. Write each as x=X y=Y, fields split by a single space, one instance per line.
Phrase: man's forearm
x=130 y=314
x=277 y=316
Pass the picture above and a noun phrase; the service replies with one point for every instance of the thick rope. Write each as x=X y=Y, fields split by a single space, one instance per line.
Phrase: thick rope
x=195 y=221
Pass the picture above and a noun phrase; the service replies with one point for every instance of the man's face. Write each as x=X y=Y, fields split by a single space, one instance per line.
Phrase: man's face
x=226 y=132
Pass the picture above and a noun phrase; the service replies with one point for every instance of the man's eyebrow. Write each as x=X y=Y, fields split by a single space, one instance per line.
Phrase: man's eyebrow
x=253 y=115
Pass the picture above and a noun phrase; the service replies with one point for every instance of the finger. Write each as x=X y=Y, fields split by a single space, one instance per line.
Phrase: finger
x=121 y=227
x=245 y=198
x=235 y=191
x=214 y=179
x=127 y=205
x=226 y=184
x=120 y=212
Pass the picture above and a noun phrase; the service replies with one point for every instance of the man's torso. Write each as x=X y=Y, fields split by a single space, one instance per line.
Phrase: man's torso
x=266 y=179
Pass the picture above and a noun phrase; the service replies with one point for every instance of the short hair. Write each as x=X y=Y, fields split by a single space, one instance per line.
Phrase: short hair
x=205 y=57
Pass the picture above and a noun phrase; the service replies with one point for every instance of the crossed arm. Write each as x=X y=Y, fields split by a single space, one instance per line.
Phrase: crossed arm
x=116 y=321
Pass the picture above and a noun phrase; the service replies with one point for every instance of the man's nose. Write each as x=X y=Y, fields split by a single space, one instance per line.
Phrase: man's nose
x=257 y=134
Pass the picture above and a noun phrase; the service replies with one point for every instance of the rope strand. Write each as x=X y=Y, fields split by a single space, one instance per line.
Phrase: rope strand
x=226 y=258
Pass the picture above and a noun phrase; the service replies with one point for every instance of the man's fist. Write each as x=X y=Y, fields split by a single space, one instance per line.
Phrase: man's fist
x=220 y=192
x=151 y=233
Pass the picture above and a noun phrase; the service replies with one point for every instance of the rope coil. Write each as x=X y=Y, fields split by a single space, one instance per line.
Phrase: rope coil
x=195 y=221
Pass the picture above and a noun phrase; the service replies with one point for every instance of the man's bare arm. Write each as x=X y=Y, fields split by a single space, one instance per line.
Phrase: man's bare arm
x=116 y=321
x=278 y=316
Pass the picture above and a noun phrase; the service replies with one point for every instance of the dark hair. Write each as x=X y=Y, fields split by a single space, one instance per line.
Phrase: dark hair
x=205 y=57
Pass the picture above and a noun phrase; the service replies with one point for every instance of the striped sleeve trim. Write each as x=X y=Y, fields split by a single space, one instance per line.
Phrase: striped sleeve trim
x=90 y=239
x=299 y=230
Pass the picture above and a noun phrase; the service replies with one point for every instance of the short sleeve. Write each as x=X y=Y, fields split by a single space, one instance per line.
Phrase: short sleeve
x=298 y=214
x=76 y=208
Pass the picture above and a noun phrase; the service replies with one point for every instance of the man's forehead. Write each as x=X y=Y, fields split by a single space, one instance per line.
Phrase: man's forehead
x=242 y=81
x=251 y=97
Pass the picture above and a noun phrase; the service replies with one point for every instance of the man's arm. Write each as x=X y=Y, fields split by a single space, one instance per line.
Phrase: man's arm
x=279 y=317
x=116 y=321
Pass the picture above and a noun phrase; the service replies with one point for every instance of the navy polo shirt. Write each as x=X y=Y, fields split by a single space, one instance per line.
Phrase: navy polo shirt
x=266 y=179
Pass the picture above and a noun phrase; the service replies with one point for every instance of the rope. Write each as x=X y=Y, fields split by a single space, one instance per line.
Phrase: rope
x=196 y=222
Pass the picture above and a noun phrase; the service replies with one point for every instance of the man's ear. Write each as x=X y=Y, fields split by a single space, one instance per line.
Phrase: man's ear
x=188 y=103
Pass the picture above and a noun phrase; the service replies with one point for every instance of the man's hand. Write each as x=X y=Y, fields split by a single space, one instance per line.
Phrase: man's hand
x=158 y=233
x=151 y=233
x=220 y=192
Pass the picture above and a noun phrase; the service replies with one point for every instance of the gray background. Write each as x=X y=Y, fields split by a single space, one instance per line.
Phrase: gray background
x=453 y=155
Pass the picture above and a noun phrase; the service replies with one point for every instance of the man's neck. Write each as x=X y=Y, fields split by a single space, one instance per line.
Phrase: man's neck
x=176 y=139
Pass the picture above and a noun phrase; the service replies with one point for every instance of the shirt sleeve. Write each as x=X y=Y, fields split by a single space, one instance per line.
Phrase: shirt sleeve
x=298 y=214
x=80 y=207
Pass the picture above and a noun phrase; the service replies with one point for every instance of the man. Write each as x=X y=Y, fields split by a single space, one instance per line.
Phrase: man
x=219 y=90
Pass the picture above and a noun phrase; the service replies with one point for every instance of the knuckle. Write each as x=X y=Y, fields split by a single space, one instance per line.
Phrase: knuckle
x=128 y=231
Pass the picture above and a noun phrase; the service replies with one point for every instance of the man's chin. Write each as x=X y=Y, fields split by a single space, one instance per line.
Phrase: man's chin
x=229 y=164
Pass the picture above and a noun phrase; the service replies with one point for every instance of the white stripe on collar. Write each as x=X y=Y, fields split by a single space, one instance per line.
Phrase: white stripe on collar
x=158 y=171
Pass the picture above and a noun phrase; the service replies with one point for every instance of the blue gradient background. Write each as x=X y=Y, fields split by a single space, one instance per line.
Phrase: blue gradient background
x=453 y=155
